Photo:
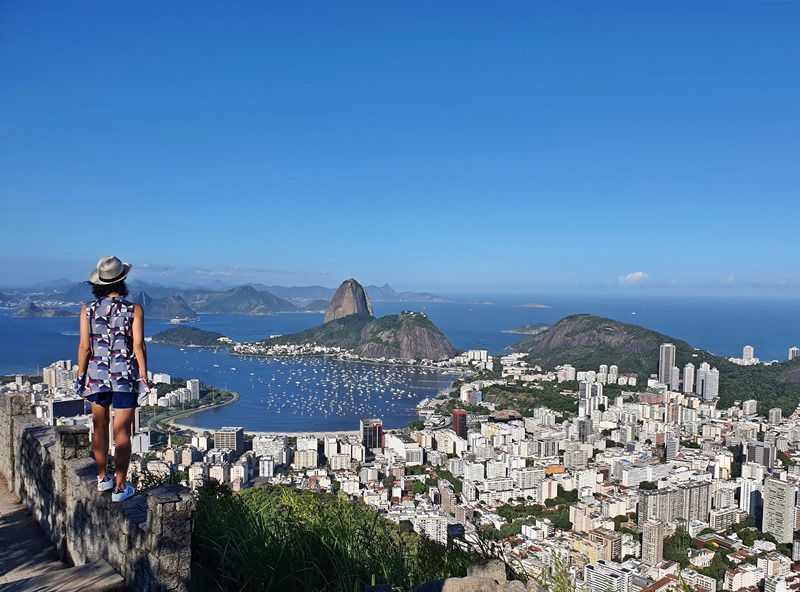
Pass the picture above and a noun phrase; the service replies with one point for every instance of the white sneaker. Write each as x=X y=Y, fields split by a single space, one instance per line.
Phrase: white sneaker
x=105 y=484
x=120 y=495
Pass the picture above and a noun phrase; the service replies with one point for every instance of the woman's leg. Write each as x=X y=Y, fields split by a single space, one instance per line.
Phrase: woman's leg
x=100 y=418
x=123 y=424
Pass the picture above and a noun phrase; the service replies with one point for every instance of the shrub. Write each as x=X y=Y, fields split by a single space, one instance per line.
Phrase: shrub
x=285 y=539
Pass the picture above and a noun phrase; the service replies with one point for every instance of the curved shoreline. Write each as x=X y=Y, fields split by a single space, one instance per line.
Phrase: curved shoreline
x=183 y=414
x=451 y=373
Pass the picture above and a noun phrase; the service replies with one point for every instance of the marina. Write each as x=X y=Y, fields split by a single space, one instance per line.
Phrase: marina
x=311 y=393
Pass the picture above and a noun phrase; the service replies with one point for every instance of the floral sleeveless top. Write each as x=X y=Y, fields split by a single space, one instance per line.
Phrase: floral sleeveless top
x=113 y=366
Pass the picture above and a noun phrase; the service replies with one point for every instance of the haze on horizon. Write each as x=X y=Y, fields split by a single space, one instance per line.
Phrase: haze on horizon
x=451 y=148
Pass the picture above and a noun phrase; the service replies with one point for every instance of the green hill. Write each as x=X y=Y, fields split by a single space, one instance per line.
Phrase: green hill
x=406 y=336
x=189 y=337
x=586 y=341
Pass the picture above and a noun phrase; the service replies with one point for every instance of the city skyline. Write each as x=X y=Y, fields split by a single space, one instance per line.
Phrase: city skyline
x=618 y=148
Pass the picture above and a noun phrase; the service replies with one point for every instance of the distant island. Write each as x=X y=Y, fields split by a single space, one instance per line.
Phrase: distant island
x=31 y=311
x=529 y=329
x=534 y=305
x=479 y=301
x=190 y=337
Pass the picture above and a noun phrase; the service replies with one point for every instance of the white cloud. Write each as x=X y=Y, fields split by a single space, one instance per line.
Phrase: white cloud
x=635 y=277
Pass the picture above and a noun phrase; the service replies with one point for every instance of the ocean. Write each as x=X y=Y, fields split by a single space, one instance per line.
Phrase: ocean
x=315 y=395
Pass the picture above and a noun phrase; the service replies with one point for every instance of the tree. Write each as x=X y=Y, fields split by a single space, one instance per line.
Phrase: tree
x=418 y=487
x=676 y=547
x=559 y=579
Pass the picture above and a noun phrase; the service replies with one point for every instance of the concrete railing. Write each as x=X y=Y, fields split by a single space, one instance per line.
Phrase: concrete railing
x=145 y=539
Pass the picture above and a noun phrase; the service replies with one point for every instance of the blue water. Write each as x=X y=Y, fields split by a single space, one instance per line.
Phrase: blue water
x=722 y=326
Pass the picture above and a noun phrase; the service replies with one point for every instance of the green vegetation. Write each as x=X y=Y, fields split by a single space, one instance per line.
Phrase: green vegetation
x=405 y=336
x=772 y=386
x=555 y=509
x=285 y=539
x=586 y=341
x=676 y=547
x=748 y=532
x=530 y=329
x=448 y=476
x=719 y=564
x=157 y=417
x=189 y=337
x=526 y=399
x=620 y=520
x=344 y=332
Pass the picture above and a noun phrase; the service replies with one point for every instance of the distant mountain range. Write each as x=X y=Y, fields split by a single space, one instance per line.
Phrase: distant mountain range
x=185 y=303
x=33 y=311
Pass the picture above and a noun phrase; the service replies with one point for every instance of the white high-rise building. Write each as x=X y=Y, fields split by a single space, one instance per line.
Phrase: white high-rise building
x=750 y=495
x=688 y=378
x=194 y=387
x=613 y=374
x=749 y=407
x=794 y=352
x=711 y=387
x=779 y=499
x=674 y=378
x=162 y=377
x=653 y=542
x=700 y=377
x=707 y=385
x=266 y=466
x=747 y=353
x=666 y=360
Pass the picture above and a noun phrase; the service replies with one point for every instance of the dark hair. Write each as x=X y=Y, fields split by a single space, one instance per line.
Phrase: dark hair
x=103 y=290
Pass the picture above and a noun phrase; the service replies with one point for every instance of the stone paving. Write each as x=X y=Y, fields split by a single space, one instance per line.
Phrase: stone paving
x=24 y=550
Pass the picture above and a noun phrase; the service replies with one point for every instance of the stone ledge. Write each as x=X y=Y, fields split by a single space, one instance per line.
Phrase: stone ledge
x=147 y=540
x=91 y=577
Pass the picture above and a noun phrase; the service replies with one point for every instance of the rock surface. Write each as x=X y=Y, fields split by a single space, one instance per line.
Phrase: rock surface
x=407 y=336
x=349 y=299
x=483 y=576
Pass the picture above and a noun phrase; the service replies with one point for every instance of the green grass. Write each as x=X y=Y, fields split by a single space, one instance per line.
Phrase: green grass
x=285 y=539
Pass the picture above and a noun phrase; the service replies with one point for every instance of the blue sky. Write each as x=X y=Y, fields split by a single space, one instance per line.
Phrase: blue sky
x=522 y=147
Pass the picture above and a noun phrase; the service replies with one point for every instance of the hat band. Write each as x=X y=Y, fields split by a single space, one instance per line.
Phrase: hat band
x=115 y=278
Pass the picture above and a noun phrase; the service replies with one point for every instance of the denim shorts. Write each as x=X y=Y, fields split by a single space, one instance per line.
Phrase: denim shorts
x=117 y=400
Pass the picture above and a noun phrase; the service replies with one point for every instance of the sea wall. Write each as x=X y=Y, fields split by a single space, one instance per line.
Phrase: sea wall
x=147 y=539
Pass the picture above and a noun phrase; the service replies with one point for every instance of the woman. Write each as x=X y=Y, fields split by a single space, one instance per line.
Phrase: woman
x=112 y=364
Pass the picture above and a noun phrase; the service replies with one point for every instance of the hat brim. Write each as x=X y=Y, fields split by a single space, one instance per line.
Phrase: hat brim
x=95 y=278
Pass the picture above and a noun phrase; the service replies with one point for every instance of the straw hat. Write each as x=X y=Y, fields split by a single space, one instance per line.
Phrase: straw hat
x=109 y=270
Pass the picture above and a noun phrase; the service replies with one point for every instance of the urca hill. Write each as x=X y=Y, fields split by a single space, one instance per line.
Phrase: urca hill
x=349 y=324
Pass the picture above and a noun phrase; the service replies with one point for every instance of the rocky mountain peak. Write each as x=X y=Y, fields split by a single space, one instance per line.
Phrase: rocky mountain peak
x=349 y=299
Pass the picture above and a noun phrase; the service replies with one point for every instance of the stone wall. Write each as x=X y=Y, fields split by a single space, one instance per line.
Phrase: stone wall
x=146 y=539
